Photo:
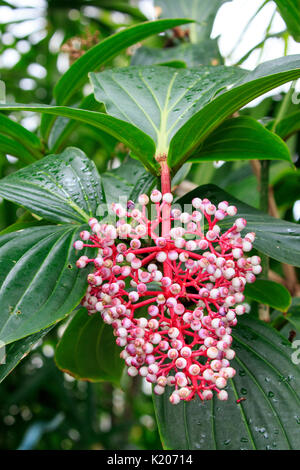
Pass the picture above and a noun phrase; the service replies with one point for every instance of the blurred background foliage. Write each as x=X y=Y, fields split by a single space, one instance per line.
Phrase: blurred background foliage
x=39 y=39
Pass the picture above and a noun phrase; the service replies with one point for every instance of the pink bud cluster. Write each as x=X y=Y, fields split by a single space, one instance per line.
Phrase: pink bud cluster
x=188 y=286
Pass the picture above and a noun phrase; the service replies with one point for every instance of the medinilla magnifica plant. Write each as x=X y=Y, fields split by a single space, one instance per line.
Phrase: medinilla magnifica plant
x=157 y=283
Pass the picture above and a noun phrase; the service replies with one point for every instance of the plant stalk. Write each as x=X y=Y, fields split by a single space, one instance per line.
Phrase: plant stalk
x=165 y=179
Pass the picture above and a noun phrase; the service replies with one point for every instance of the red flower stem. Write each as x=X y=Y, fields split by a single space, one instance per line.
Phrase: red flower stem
x=166 y=208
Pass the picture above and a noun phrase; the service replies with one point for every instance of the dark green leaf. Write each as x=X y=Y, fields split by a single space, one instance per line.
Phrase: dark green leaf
x=12 y=147
x=16 y=351
x=40 y=283
x=275 y=237
x=60 y=188
x=269 y=417
x=21 y=135
x=88 y=350
x=293 y=314
x=287 y=126
x=241 y=138
x=269 y=293
x=128 y=181
x=290 y=12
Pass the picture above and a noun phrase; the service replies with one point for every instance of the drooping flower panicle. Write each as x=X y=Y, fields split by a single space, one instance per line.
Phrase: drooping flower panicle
x=187 y=285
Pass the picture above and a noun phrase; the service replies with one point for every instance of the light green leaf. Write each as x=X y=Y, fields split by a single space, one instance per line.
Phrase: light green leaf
x=241 y=138
x=275 y=237
x=290 y=12
x=203 y=11
x=60 y=188
x=269 y=293
x=267 y=419
x=88 y=350
x=159 y=100
x=40 y=283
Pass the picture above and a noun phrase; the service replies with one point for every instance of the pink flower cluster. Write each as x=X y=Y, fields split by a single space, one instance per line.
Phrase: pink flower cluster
x=172 y=300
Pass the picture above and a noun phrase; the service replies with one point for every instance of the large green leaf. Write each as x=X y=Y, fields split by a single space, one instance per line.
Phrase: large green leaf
x=269 y=293
x=275 y=237
x=178 y=108
x=141 y=145
x=16 y=351
x=264 y=78
x=290 y=12
x=88 y=350
x=40 y=283
x=269 y=418
x=106 y=50
x=159 y=100
x=241 y=138
x=203 y=11
x=60 y=188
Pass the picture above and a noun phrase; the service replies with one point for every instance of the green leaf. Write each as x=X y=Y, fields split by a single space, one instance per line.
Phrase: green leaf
x=203 y=11
x=275 y=237
x=159 y=100
x=12 y=147
x=141 y=145
x=106 y=50
x=18 y=133
x=128 y=181
x=88 y=350
x=16 y=351
x=269 y=293
x=205 y=53
x=60 y=188
x=241 y=138
x=63 y=127
x=264 y=78
x=290 y=12
x=287 y=126
x=40 y=283
x=268 y=418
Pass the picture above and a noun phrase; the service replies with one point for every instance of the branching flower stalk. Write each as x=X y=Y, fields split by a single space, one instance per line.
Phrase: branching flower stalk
x=171 y=290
